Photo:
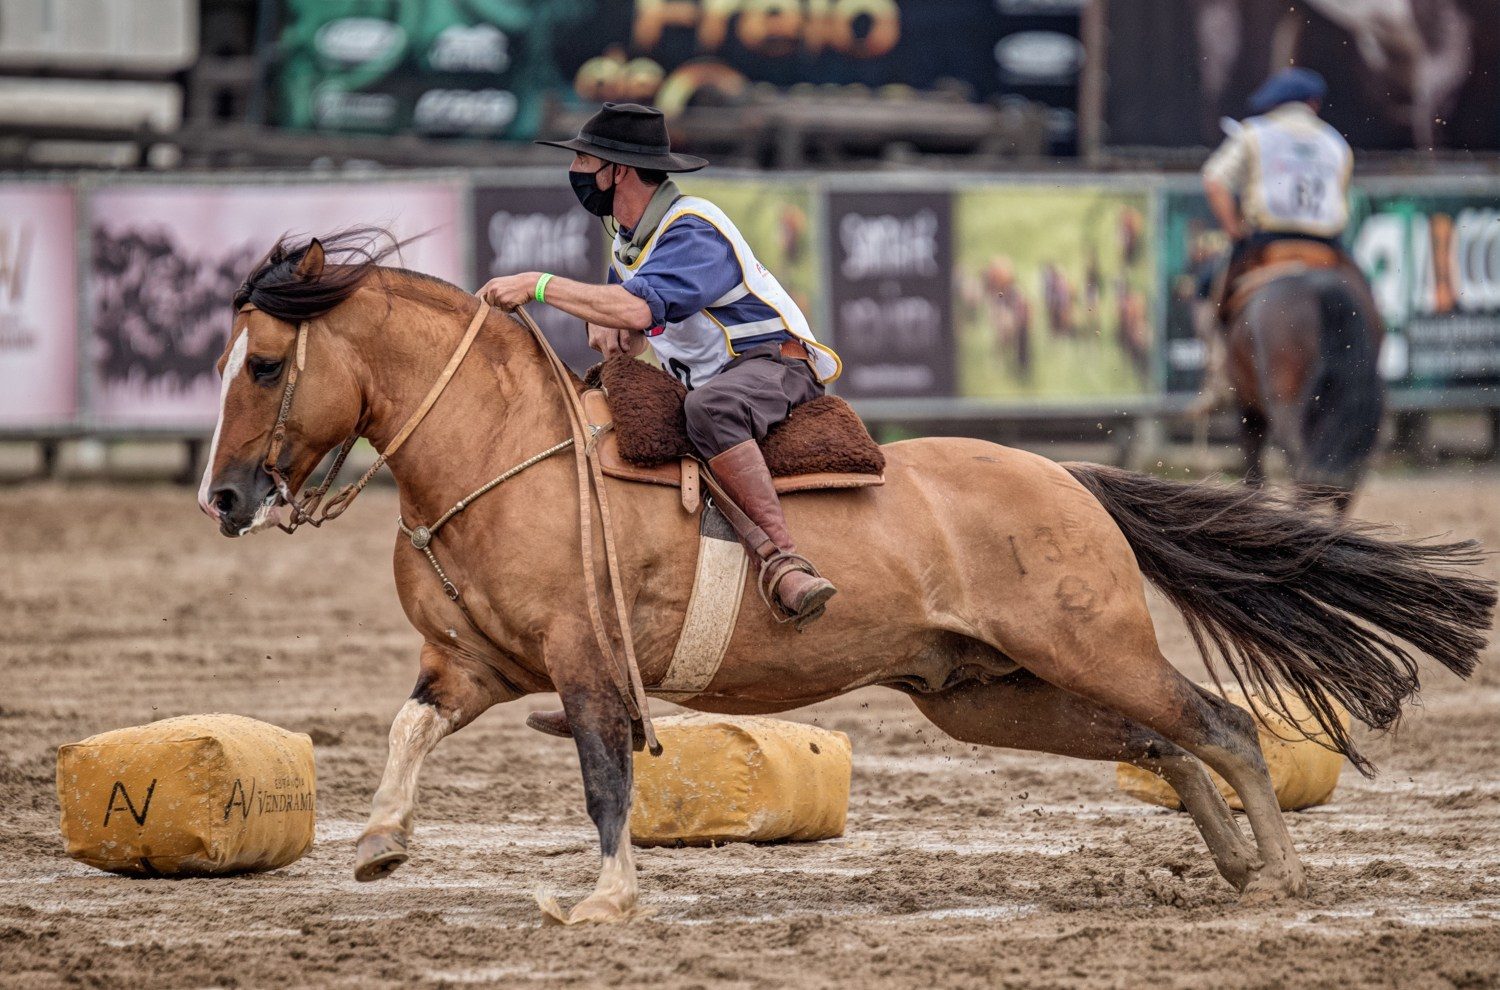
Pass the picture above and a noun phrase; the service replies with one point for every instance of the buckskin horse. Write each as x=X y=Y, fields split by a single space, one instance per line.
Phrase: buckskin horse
x=1003 y=592
x=1304 y=345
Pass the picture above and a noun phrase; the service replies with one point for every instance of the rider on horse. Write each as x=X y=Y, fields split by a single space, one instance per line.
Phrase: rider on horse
x=1282 y=175
x=683 y=280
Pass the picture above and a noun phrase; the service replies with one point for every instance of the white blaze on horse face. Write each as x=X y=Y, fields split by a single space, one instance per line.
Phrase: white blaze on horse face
x=231 y=371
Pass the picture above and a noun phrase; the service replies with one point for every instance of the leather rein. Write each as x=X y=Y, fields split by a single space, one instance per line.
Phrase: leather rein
x=624 y=669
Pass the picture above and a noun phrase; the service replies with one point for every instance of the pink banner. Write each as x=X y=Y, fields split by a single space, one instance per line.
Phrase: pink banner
x=38 y=300
x=166 y=262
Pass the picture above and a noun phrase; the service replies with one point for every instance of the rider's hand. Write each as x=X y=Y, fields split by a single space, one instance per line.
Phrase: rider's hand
x=611 y=341
x=509 y=291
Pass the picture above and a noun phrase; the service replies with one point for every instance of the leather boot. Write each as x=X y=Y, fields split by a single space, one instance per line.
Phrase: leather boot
x=785 y=577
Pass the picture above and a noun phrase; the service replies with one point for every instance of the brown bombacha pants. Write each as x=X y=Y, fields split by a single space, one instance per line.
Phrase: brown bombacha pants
x=753 y=393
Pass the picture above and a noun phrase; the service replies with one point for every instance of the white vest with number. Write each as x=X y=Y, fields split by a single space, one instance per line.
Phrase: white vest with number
x=698 y=347
x=1299 y=182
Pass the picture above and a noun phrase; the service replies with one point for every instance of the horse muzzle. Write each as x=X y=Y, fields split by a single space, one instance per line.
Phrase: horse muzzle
x=243 y=500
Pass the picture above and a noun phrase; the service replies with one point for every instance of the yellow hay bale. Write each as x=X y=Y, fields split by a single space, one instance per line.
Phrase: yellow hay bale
x=727 y=778
x=1303 y=772
x=199 y=795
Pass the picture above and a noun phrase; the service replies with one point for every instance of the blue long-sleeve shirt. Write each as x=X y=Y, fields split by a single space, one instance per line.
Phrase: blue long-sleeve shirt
x=690 y=265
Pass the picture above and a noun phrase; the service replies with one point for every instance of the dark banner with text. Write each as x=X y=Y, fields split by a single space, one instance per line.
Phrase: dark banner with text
x=539 y=229
x=890 y=259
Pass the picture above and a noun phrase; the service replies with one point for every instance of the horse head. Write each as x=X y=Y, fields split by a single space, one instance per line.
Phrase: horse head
x=284 y=365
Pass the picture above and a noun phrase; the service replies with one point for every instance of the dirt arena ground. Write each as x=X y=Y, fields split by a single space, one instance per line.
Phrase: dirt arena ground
x=961 y=868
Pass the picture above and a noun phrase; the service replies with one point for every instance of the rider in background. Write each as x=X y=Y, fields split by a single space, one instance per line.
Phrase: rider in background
x=683 y=280
x=1281 y=174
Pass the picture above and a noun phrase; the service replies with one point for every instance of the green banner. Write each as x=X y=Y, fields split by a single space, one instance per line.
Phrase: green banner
x=1053 y=292
x=1433 y=261
x=1190 y=248
x=466 y=68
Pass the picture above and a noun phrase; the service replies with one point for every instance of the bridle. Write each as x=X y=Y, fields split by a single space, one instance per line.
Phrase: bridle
x=307 y=509
x=310 y=509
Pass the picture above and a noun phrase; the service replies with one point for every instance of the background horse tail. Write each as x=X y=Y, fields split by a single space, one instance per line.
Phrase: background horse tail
x=1300 y=602
x=1343 y=398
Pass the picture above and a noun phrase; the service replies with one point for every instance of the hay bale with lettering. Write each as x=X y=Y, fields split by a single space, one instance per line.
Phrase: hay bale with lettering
x=727 y=778
x=1304 y=771
x=199 y=795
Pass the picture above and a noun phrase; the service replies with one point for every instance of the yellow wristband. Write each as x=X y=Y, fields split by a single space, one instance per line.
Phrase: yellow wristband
x=541 y=286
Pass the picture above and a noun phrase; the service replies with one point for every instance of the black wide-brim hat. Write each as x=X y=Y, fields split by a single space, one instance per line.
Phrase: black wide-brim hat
x=630 y=134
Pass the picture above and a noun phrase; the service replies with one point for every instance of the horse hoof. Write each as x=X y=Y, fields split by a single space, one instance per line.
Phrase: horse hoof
x=377 y=856
x=1263 y=889
x=1239 y=872
x=598 y=909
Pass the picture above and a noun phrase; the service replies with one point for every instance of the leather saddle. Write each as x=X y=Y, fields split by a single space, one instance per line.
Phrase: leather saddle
x=1275 y=260
x=822 y=445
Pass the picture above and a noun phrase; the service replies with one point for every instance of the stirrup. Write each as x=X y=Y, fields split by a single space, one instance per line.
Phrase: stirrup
x=772 y=570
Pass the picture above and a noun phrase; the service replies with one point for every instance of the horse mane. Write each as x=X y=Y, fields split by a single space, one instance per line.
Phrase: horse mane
x=351 y=255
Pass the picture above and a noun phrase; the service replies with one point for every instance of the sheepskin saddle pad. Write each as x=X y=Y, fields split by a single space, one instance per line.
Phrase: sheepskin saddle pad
x=822 y=444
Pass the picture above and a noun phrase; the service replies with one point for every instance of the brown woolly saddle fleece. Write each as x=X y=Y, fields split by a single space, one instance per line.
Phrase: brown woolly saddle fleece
x=822 y=444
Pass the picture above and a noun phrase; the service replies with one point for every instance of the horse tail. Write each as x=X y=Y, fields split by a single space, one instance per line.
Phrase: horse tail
x=1344 y=399
x=1301 y=603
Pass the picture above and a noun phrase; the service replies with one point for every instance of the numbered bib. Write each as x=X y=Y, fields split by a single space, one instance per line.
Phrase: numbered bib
x=1301 y=178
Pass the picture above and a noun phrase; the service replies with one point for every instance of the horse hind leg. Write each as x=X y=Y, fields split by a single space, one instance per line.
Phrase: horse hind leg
x=1122 y=669
x=1025 y=712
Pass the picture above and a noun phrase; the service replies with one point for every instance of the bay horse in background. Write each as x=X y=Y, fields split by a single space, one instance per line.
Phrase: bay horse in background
x=1304 y=348
x=1004 y=593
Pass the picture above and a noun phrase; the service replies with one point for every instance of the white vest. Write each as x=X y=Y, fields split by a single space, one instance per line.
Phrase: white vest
x=697 y=348
x=1299 y=178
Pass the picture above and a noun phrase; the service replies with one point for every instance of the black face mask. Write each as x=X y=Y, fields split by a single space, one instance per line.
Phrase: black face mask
x=599 y=202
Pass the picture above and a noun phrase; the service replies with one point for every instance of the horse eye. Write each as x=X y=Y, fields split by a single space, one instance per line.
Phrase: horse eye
x=264 y=370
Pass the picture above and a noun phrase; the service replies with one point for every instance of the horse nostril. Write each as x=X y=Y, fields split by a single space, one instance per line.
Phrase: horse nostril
x=224 y=500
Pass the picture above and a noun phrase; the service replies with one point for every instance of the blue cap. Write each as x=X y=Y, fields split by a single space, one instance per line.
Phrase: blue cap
x=1288 y=86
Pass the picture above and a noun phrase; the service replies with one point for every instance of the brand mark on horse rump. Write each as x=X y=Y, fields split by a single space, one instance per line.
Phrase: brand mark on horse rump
x=1076 y=597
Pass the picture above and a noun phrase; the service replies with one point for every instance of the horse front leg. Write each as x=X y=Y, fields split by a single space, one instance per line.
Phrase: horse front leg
x=450 y=693
x=601 y=731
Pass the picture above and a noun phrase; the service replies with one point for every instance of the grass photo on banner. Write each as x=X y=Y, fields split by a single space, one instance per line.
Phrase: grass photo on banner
x=1052 y=292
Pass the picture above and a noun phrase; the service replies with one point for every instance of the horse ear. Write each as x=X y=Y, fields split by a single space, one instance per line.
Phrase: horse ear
x=311 y=265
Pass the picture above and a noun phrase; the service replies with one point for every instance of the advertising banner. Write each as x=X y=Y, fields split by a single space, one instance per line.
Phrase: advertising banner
x=167 y=260
x=468 y=68
x=1433 y=260
x=1402 y=74
x=38 y=296
x=890 y=254
x=541 y=229
x=1053 y=288
x=1191 y=250
x=677 y=53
